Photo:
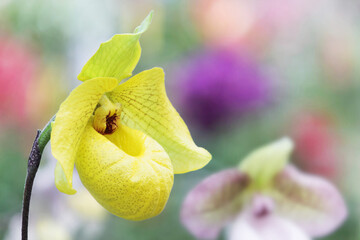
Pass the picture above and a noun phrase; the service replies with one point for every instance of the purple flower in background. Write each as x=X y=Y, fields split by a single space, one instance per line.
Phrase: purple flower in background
x=264 y=199
x=218 y=86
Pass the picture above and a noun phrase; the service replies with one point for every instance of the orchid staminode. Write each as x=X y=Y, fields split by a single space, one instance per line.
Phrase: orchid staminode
x=126 y=139
x=265 y=198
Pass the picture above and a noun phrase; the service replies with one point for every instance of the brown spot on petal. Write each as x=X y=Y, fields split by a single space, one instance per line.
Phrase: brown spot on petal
x=111 y=123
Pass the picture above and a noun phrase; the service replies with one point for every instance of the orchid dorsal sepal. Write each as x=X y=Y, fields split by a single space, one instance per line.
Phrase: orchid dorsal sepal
x=266 y=162
x=144 y=24
x=116 y=57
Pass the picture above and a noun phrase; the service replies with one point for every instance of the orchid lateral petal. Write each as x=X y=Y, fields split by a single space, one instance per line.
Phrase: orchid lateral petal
x=61 y=182
x=264 y=163
x=259 y=222
x=117 y=57
x=213 y=203
x=147 y=108
x=310 y=201
x=134 y=187
x=70 y=122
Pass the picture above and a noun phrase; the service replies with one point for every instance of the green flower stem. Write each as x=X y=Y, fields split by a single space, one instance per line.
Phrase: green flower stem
x=45 y=135
x=41 y=139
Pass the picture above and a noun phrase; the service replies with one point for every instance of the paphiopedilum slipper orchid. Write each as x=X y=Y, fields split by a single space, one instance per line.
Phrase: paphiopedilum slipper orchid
x=126 y=139
x=265 y=198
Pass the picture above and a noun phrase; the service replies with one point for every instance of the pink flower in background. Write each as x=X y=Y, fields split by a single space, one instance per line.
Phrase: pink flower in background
x=17 y=68
x=252 y=25
x=223 y=22
x=281 y=15
x=316 y=141
x=264 y=199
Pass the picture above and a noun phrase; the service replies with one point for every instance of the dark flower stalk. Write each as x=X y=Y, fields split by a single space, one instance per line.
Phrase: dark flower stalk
x=41 y=139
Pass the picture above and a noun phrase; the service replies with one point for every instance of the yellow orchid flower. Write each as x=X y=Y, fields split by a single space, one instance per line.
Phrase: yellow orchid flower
x=126 y=140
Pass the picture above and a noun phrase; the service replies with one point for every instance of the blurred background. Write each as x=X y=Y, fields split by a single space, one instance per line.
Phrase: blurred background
x=242 y=73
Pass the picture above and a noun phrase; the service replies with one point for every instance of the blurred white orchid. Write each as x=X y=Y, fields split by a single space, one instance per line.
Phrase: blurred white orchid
x=259 y=222
x=264 y=199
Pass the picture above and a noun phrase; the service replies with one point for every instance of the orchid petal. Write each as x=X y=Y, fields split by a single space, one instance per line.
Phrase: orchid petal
x=61 y=181
x=147 y=108
x=264 y=163
x=133 y=185
x=70 y=122
x=259 y=222
x=270 y=228
x=117 y=57
x=213 y=203
x=310 y=201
